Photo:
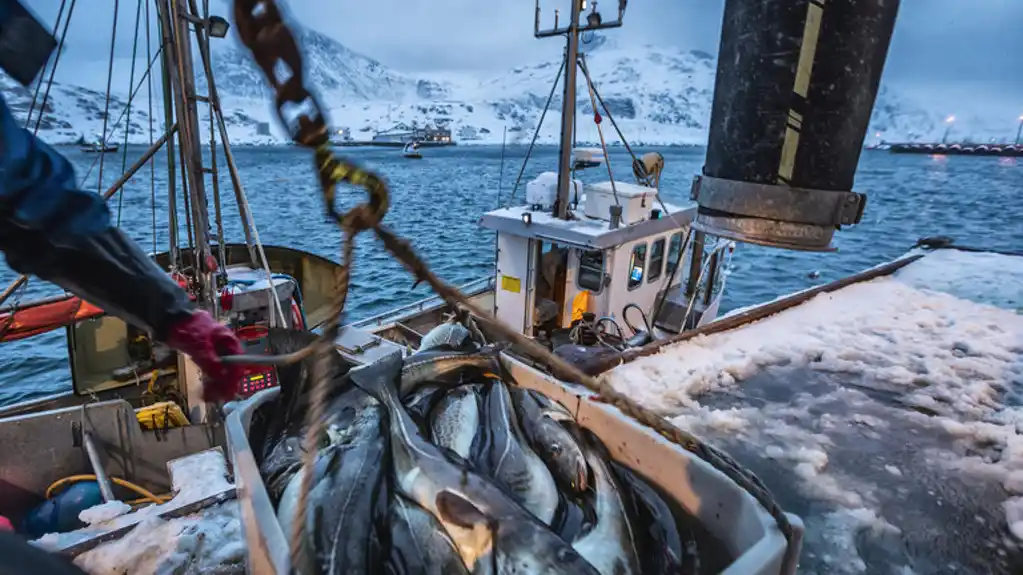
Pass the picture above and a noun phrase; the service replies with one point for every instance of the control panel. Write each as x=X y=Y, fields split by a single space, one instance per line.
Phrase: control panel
x=254 y=338
x=254 y=382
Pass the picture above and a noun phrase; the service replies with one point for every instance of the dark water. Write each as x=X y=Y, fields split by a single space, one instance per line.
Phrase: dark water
x=436 y=202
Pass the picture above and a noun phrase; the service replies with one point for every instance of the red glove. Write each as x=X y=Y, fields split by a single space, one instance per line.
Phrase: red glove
x=5 y=524
x=204 y=340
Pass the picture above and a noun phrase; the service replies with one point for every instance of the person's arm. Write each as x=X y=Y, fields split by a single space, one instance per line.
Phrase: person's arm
x=51 y=229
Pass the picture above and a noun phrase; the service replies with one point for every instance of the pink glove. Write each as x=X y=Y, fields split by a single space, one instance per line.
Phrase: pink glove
x=5 y=524
x=204 y=340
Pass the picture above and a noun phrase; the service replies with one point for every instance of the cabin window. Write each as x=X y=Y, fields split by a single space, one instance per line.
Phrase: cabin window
x=637 y=266
x=591 y=271
x=673 y=252
x=656 y=260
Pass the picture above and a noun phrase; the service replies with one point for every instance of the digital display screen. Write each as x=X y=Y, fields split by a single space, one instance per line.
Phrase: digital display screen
x=254 y=382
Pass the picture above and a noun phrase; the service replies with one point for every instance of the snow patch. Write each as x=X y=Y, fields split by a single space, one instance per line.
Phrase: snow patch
x=104 y=512
x=194 y=478
x=915 y=337
x=191 y=544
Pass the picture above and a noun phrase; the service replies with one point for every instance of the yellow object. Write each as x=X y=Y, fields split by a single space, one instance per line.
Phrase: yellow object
x=511 y=284
x=161 y=415
x=580 y=305
x=145 y=493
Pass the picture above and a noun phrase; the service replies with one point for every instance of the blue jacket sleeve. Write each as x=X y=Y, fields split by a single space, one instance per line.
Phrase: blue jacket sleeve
x=52 y=229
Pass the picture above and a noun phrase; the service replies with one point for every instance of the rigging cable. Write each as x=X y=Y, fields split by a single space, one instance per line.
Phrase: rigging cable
x=39 y=84
x=248 y=222
x=600 y=131
x=106 y=105
x=53 y=70
x=127 y=121
x=131 y=97
x=152 y=161
x=536 y=133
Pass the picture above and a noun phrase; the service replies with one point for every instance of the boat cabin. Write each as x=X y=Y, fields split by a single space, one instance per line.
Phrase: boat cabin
x=621 y=247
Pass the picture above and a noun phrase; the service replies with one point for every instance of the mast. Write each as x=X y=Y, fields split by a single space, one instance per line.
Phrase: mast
x=174 y=22
x=571 y=32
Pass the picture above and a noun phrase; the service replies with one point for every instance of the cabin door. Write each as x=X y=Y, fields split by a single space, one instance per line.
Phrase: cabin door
x=513 y=298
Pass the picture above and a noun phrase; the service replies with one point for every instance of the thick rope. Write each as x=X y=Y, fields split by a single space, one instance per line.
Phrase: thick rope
x=316 y=422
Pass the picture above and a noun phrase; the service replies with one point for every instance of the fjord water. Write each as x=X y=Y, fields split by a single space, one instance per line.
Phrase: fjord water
x=436 y=203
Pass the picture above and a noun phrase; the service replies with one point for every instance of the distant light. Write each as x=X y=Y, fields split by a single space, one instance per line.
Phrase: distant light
x=950 y=119
x=1021 y=118
x=218 y=27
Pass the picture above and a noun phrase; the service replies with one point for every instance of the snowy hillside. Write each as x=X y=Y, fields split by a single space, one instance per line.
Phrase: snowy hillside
x=659 y=95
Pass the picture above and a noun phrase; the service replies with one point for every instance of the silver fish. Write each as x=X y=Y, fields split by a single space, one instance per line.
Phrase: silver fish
x=512 y=463
x=492 y=533
x=660 y=544
x=347 y=491
x=552 y=442
x=437 y=366
x=287 y=507
x=455 y=420
x=450 y=333
x=418 y=543
x=610 y=545
x=353 y=492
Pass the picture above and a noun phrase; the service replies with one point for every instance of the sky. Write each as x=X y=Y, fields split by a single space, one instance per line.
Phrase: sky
x=951 y=49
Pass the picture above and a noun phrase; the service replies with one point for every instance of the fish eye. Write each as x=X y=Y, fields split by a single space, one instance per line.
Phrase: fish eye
x=566 y=555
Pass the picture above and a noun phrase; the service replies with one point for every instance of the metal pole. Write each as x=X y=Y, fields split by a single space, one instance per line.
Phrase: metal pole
x=214 y=98
x=168 y=119
x=1019 y=130
x=97 y=468
x=568 y=111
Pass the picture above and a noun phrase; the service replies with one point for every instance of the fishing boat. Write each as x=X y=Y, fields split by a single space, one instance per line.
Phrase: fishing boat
x=96 y=146
x=411 y=151
x=134 y=417
x=574 y=264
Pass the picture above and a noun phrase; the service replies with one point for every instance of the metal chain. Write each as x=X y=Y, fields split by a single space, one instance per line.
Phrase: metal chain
x=263 y=31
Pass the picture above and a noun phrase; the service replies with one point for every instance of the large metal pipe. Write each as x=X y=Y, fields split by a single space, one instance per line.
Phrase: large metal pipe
x=796 y=83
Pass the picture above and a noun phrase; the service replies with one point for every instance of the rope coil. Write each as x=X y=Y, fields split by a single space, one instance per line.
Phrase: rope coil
x=263 y=31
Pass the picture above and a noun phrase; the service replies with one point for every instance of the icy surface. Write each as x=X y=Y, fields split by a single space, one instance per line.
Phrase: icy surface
x=104 y=512
x=207 y=537
x=201 y=543
x=887 y=414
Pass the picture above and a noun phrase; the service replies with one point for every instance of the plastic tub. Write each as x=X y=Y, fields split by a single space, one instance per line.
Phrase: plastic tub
x=725 y=510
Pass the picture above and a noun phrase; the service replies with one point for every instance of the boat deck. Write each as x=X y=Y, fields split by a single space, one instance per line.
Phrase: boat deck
x=886 y=414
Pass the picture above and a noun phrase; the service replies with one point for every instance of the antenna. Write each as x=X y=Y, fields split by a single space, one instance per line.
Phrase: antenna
x=594 y=21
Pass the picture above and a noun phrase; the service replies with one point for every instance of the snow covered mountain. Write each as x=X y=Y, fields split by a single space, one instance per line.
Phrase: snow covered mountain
x=659 y=96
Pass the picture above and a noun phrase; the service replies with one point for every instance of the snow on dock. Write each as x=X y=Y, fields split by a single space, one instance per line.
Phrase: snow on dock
x=888 y=414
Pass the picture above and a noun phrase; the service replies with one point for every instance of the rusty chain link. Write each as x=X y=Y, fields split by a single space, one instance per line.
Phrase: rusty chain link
x=262 y=29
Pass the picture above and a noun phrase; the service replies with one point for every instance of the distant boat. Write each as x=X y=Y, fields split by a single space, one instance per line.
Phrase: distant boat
x=411 y=151
x=96 y=146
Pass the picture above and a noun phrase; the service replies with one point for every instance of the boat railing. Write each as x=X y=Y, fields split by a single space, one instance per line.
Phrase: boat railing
x=470 y=289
